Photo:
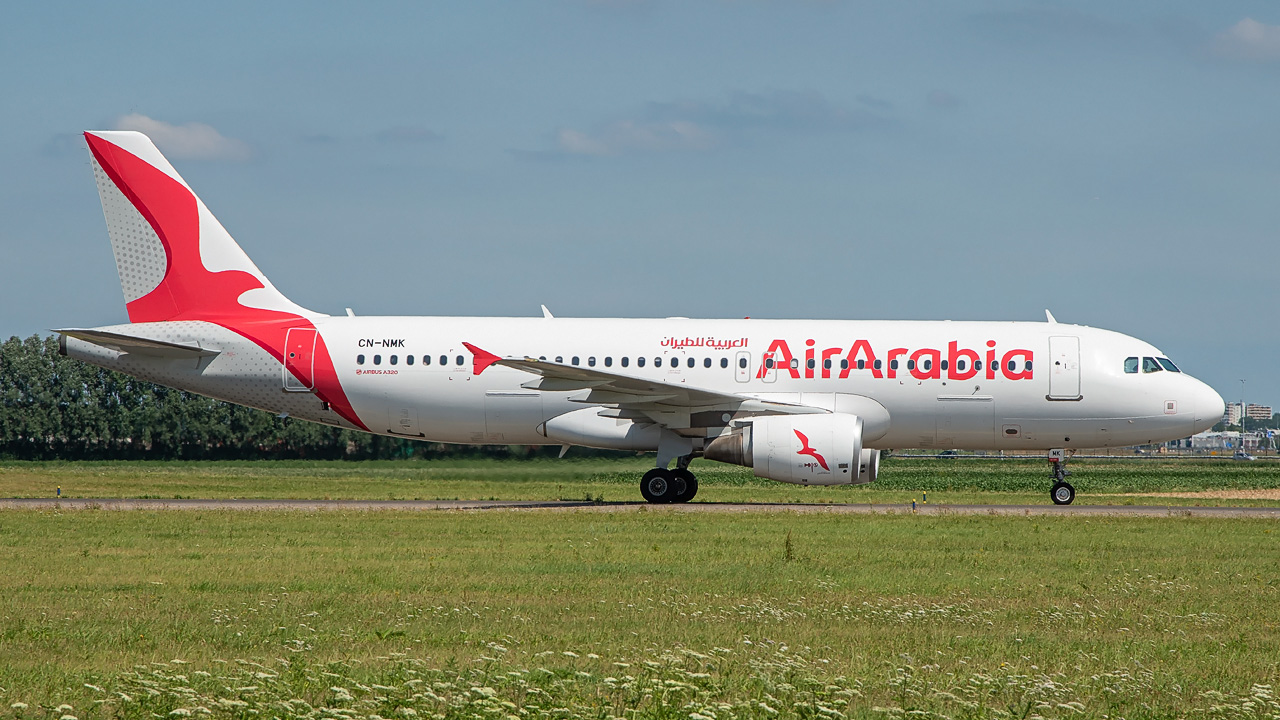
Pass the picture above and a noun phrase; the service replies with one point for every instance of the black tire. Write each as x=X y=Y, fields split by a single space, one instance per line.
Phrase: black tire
x=1062 y=493
x=685 y=484
x=658 y=486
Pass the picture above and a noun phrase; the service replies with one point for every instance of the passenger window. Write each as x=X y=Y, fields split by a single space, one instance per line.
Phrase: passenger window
x=724 y=362
x=892 y=366
x=928 y=364
x=359 y=359
x=768 y=363
x=1167 y=364
x=911 y=364
x=408 y=359
x=943 y=365
x=1149 y=365
x=657 y=362
x=1028 y=367
x=706 y=362
x=809 y=363
x=959 y=365
x=608 y=362
x=426 y=359
x=543 y=358
x=795 y=363
x=591 y=361
x=575 y=360
x=560 y=359
x=878 y=363
x=461 y=360
x=625 y=361
x=977 y=364
x=742 y=362
x=444 y=359
x=826 y=364
x=377 y=359
x=1012 y=364
x=395 y=359
x=640 y=362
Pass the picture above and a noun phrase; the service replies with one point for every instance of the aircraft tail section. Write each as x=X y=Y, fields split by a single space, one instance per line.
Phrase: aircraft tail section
x=175 y=260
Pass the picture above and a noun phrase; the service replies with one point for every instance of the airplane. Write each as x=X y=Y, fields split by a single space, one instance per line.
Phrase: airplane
x=810 y=402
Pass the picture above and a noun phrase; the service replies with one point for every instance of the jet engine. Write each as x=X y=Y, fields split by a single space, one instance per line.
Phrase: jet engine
x=801 y=449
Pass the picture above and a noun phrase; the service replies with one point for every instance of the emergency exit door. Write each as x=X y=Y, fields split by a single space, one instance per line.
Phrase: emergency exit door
x=1064 y=368
x=299 y=359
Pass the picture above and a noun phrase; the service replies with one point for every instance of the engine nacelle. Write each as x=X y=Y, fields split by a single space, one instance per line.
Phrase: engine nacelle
x=801 y=449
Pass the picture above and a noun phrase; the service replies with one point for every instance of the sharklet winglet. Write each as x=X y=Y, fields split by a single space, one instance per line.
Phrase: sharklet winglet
x=480 y=359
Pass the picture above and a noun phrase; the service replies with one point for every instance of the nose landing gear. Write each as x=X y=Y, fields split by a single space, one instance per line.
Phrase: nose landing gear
x=1062 y=493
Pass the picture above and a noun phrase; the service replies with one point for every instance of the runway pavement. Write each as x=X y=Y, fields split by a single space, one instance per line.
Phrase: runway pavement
x=581 y=505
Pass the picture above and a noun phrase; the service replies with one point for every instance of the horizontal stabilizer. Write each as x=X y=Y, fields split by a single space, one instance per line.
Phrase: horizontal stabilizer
x=138 y=345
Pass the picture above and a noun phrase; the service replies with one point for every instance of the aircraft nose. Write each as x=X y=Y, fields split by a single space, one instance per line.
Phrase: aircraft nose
x=1208 y=407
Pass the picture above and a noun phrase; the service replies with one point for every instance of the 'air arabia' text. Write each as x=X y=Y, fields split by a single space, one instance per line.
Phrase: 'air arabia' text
x=955 y=363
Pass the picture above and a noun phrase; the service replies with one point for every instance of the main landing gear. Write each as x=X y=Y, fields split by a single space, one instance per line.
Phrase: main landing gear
x=1062 y=492
x=661 y=486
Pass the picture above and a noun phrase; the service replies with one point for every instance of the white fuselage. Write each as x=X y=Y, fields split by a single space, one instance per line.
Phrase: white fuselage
x=1052 y=385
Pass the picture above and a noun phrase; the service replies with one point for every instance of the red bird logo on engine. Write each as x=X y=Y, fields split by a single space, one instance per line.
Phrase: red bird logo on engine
x=807 y=450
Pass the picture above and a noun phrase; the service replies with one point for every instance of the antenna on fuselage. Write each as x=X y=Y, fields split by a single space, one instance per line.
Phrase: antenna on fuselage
x=547 y=313
x=1049 y=318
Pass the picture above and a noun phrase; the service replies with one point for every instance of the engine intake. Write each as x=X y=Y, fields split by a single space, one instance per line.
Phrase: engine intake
x=800 y=449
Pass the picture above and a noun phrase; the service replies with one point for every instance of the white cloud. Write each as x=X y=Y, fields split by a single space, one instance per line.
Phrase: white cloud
x=408 y=134
x=1249 y=40
x=943 y=99
x=697 y=125
x=192 y=141
x=628 y=136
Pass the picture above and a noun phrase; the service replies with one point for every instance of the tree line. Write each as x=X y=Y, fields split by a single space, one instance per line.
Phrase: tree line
x=57 y=408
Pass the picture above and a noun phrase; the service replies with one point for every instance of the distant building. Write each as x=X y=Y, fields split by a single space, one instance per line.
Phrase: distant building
x=1232 y=415
x=1230 y=441
x=1251 y=411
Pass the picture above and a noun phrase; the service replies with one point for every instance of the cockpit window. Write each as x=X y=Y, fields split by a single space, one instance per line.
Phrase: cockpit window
x=1167 y=364
x=1131 y=364
x=1149 y=365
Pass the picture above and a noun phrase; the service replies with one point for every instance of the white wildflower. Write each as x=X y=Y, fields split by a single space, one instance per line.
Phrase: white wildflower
x=19 y=706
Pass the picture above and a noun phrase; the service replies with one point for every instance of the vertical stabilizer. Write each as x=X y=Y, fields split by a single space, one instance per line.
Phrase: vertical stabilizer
x=176 y=261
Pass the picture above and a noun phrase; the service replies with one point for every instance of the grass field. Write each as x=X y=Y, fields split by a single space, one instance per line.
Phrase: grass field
x=901 y=480
x=641 y=614
x=648 y=614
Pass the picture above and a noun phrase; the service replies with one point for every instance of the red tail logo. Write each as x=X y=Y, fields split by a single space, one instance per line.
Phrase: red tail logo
x=806 y=450
x=190 y=291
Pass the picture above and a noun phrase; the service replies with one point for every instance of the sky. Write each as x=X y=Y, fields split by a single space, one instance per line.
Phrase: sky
x=1116 y=163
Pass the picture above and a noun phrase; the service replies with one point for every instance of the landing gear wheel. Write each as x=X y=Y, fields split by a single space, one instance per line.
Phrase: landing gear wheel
x=658 y=486
x=1062 y=493
x=685 y=484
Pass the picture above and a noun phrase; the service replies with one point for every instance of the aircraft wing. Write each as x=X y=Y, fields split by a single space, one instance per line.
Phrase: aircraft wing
x=670 y=404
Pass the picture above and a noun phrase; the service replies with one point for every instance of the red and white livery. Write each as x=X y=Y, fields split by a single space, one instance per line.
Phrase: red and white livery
x=800 y=401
